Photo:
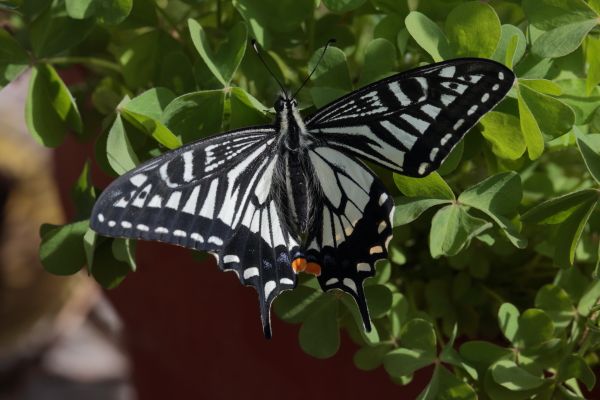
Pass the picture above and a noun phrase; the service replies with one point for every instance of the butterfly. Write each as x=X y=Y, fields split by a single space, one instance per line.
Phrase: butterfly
x=272 y=201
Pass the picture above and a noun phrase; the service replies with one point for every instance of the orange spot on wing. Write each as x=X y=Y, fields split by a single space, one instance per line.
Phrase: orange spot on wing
x=313 y=268
x=299 y=265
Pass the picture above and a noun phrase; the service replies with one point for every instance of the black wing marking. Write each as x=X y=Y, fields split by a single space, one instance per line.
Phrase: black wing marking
x=352 y=224
x=410 y=122
x=211 y=195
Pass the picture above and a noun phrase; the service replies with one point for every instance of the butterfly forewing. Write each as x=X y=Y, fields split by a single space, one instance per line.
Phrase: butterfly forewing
x=211 y=195
x=409 y=122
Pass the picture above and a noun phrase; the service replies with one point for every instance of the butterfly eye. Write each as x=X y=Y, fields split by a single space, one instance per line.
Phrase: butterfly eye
x=279 y=105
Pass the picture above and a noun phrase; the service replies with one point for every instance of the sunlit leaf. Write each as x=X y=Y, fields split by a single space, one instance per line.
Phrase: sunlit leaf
x=13 y=58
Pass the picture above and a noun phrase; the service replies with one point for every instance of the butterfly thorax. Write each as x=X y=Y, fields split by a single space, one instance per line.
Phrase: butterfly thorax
x=296 y=181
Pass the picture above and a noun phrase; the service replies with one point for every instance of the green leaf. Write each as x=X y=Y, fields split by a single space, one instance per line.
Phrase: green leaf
x=503 y=131
x=452 y=160
x=400 y=313
x=482 y=354
x=331 y=78
x=430 y=186
x=349 y=303
x=531 y=130
x=151 y=103
x=152 y=127
x=592 y=55
x=419 y=349
x=403 y=361
x=84 y=193
x=452 y=229
x=589 y=299
x=563 y=40
x=511 y=376
x=553 y=117
x=106 y=11
x=419 y=334
x=266 y=18
x=177 y=73
x=195 y=115
x=450 y=356
x=557 y=304
x=13 y=58
x=369 y=358
x=569 y=233
x=379 y=300
x=549 y=14
x=542 y=85
x=107 y=95
x=124 y=250
x=54 y=32
x=319 y=334
x=61 y=250
x=445 y=385
x=507 y=52
x=380 y=61
x=390 y=27
x=589 y=147
x=473 y=29
x=141 y=56
x=343 y=6
x=428 y=35
x=574 y=366
x=535 y=328
x=225 y=61
x=246 y=110
x=508 y=319
x=293 y=306
x=144 y=112
x=557 y=210
x=566 y=23
x=499 y=194
x=90 y=238
x=107 y=270
x=574 y=95
x=119 y=151
x=50 y=109
x=409 y=209
x=573 y=282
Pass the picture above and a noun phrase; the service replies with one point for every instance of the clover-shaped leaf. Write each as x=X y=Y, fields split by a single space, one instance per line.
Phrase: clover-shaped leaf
x=224 y=61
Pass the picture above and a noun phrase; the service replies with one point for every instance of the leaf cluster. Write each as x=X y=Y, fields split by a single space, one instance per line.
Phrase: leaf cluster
x=492 y=280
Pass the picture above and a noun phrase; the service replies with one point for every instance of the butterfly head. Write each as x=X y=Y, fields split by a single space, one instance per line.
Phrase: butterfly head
x=284 y=103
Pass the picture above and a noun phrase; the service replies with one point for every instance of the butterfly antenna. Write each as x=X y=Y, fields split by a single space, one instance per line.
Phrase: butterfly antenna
x=329 y=42
x=255 y=47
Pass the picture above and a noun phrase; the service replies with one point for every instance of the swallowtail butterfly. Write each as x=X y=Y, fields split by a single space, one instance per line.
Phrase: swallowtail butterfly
x=272 y=201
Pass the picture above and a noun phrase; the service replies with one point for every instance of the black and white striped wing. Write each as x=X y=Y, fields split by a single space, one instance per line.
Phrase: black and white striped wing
x=409 y=122
x=351 y=225
x=211 y=195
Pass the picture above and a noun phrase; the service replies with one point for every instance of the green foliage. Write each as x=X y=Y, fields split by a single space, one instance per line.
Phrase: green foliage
x=500 y=247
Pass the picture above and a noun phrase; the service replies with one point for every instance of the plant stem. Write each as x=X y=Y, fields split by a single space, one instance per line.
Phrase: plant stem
x=584 y=342
x=90 y=61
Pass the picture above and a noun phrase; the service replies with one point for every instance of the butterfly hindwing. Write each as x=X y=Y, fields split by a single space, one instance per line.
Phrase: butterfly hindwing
x=351 y=224
x=211 y=195
x=409 y=122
